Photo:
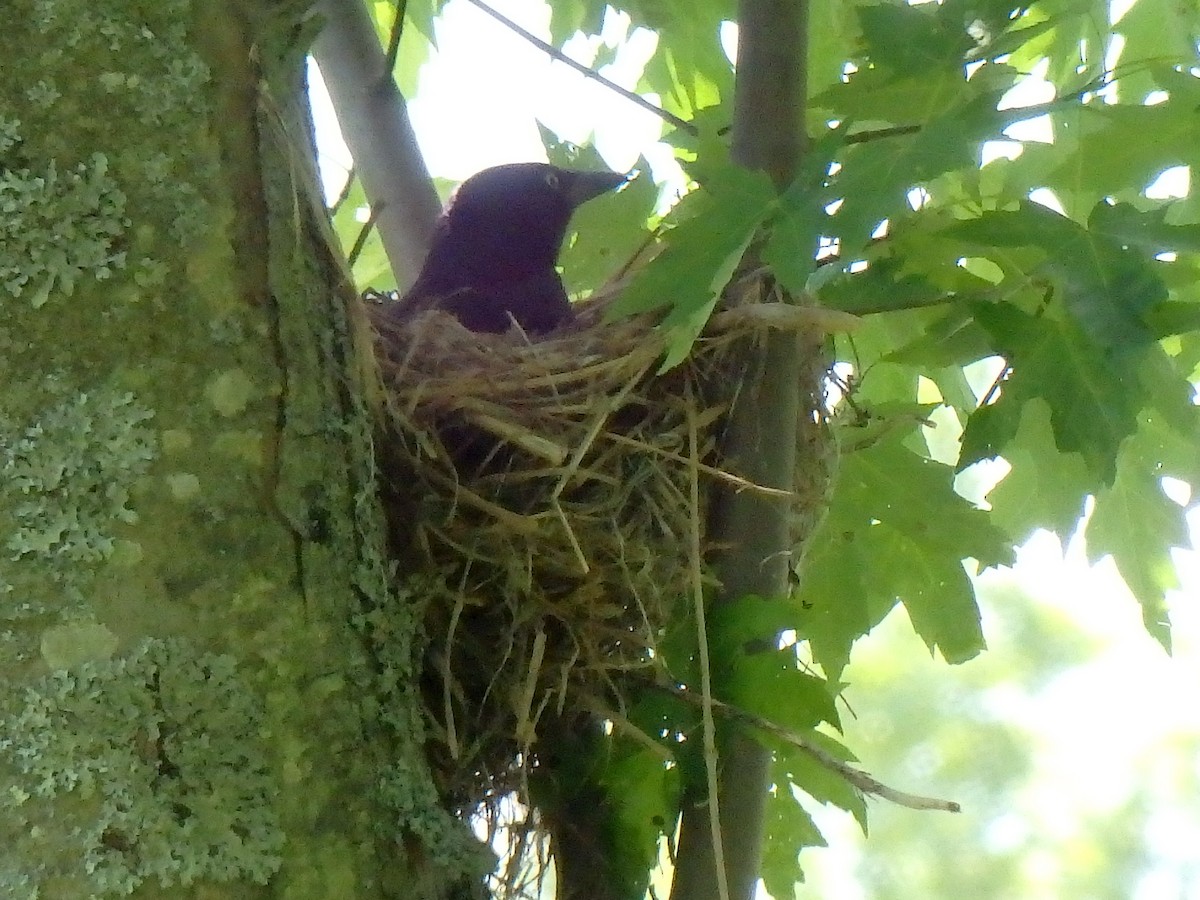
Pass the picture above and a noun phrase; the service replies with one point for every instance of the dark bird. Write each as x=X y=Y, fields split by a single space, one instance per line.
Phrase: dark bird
x=493 y=255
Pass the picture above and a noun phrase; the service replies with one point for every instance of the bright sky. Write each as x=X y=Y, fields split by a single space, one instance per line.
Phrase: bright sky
x=484 y=89
x=480 y=96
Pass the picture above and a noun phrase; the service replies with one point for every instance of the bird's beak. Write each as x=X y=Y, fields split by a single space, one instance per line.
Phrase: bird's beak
x=583 y=186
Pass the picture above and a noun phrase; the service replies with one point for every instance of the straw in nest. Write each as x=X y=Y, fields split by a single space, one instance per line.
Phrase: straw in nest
x=548 y=485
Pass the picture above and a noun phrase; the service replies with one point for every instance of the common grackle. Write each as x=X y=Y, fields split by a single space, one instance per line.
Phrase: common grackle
x=495 y=247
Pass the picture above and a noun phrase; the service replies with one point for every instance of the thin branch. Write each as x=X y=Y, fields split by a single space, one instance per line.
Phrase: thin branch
x=875 y=134
x=857 y=778
x=990 y=394
x=1019 y=113
x=347 y=190
x=696 y=562
x=393 y=48
x=555 y=53
x=361 y=241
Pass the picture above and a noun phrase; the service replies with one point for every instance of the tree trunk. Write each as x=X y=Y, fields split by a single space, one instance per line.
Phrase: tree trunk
x=208 y=679
x=760 y=444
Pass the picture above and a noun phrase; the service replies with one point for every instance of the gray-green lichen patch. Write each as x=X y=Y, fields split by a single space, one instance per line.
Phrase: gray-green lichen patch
x=151 y=763
x=56 y=227
x=66 y=475
x=230 y=392
x=453 y=850
x=10 y=133
x=157 y=30
x=73 y=643
x=68 y=195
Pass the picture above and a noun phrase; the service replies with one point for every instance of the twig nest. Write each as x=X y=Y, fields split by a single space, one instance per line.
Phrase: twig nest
x=547 y=485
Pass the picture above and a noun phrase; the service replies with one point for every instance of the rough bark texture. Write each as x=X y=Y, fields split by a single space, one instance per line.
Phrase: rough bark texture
x=192 y=582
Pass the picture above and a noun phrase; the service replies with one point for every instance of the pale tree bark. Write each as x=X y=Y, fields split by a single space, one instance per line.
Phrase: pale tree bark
x=207 y=677
x=374 y=120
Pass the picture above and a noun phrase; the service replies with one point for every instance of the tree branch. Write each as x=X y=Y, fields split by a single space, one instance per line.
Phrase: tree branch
x=760 y=444
x=856 y=777
x=375 y=123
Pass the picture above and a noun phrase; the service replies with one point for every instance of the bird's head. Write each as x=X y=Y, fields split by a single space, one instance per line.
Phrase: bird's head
x=506 y=223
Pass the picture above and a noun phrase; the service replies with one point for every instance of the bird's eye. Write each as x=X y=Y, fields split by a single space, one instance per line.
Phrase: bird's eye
x=552 y=180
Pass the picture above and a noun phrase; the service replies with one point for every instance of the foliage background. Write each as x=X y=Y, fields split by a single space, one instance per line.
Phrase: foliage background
x=1031 y=293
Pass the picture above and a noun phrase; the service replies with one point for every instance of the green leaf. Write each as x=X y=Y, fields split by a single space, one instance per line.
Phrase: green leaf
x=883 y=286
x=418 y=13
x=1154 y=31
x=701 y=252
x=794 y=237
x=1173 y=317
x=643 y=798
x=935 y=591
x=606 y=232
x=834 y=595
x=1111 y=152
x=1148 y=230
x=1045 y=488
x=771 y=685
x=1105 y=286
x=1093 y=395
x=950 y=341
x=896 y=531
x=792 y=242
x=876 y=97
x=911 y=39
x=416 y=39
x=834 y=34
x=789 y=829
x=957 y=393
x=819 y=782
x=1171 y=419
x=662 y=716
x=371 y=268
x=890 y=486
x=1138 y=525
x=748 y=620
x=877 y=175
x=570 y=16
x=709 y=225
x=689 y=70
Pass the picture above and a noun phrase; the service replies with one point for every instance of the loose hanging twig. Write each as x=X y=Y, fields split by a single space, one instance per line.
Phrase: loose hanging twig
x=695 y=559
x=555 y=53
x=856 y=777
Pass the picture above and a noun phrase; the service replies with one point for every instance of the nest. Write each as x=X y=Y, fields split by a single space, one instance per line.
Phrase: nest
x=555 y=492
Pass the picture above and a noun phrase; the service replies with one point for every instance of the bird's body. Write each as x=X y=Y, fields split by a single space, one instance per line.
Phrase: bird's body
x=492 y=259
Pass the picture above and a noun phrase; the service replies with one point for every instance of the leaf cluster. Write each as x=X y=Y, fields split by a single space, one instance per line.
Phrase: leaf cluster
x=1052 y=265
x=1029 y=308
